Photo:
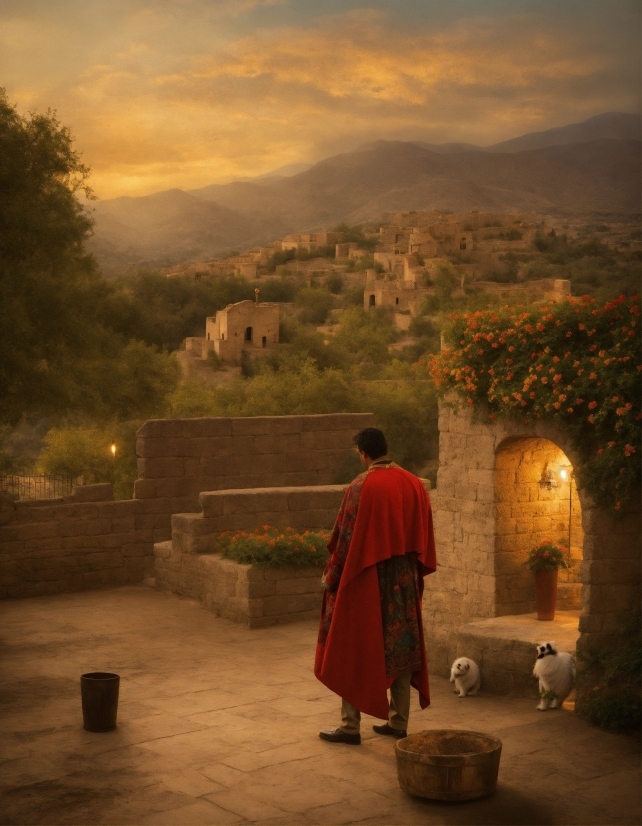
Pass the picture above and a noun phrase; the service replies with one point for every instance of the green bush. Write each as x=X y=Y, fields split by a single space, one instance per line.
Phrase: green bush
x=270 y=547
x=334 y=283
x=611 y=676
x=214 y=361
x=313 y=305
x=86 y=451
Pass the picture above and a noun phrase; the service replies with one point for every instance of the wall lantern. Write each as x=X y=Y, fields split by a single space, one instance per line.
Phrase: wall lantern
x=548 y=480
x=113 y=449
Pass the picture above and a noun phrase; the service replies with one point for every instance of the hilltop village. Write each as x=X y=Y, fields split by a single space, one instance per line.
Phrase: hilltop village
x=401 y=264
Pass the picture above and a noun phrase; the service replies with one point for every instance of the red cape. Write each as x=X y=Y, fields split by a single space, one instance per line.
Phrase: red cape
x=393 y=518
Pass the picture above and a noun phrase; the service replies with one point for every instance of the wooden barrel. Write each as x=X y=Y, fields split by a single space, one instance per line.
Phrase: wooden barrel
x=448 y=764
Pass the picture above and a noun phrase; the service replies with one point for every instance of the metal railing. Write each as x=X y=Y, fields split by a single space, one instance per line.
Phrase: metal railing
x=37 y=487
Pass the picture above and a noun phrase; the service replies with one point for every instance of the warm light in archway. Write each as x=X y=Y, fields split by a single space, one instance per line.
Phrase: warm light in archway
x=113 y=449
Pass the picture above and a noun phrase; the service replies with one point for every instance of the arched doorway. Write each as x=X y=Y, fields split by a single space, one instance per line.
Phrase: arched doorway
x=536 y=499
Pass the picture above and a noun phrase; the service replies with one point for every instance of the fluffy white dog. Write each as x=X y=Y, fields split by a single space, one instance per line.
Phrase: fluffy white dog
x=465 y=675
x=555 y=671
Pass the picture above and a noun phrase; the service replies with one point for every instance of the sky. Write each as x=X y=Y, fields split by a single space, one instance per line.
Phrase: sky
x=184 y=93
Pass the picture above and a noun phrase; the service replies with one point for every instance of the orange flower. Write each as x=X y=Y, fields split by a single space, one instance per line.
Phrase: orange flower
x=629 y=450
x=592 y=405
x=611 y=444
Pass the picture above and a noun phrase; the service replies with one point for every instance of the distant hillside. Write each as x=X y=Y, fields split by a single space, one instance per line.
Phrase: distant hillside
x=170 y=227
x=589 y=175
x=609 y=126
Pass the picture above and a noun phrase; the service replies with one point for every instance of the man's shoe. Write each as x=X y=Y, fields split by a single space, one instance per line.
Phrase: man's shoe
x=338 y=736
x=390 y=732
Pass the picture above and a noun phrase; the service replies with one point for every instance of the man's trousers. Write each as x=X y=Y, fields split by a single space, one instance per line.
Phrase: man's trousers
x=399 y=708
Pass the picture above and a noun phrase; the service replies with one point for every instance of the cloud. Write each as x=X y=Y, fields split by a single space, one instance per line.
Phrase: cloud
x=168 y=97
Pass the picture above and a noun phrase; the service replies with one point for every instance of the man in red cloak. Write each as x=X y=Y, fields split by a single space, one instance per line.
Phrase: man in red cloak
x=371 y=633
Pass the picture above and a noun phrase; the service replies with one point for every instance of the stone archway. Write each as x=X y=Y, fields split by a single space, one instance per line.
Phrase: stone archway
x=536 y=500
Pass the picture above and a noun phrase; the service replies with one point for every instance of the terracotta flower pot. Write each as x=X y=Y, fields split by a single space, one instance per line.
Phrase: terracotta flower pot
x=545 y=593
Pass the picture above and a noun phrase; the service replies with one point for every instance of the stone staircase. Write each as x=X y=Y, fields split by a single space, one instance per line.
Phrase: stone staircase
x=504 y=648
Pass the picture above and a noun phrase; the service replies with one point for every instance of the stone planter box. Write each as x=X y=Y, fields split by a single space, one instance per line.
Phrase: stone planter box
x=258 y=597
x=251 y=595
x=189 y=564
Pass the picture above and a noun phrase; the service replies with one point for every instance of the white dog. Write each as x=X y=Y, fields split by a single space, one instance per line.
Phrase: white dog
x=465 y=675
x=555 y=671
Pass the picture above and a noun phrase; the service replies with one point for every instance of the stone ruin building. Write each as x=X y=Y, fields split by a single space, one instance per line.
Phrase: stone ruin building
x=244 y=327
x=311 y=240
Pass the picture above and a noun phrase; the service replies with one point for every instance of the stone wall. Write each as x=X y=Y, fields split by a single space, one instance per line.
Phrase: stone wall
x=189 y=564
x=51 y=546
x=179 y=458
x=474 y=527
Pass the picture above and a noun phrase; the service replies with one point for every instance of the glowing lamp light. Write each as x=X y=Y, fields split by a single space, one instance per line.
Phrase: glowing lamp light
x=113 y=449
x=564 y=473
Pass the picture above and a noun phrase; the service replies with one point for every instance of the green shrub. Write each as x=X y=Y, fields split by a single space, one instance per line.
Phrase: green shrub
x=214 y=361
x=86 y=451
x=314 y=304
x=611 y=676
x=334 y=283
x=275 y=548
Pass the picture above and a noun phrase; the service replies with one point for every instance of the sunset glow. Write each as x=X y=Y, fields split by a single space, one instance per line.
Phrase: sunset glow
x=185 y=94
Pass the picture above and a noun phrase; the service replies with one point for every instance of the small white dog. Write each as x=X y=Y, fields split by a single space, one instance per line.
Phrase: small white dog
x=555 y=671
x=465 y=675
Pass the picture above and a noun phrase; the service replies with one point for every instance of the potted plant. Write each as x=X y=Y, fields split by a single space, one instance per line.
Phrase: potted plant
x=545 y=560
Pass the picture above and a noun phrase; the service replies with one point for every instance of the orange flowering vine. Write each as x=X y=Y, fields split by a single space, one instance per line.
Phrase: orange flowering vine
x=602 y=366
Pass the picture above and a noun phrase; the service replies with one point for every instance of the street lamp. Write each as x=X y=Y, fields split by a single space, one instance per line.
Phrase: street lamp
x=567 y=473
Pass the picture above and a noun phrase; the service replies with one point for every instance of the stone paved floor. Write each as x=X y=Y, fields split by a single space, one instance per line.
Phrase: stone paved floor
x=218 y=724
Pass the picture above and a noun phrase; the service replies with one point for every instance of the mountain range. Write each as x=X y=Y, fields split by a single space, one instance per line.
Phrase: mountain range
x=592 y=166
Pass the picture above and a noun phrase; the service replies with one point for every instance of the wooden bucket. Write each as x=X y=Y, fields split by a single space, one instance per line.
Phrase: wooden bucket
x=448 y=764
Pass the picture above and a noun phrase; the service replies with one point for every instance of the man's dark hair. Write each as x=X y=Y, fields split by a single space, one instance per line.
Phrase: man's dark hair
x=372 y=442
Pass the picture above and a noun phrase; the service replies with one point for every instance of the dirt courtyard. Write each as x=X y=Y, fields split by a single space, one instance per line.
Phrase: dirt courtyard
x=218 y=724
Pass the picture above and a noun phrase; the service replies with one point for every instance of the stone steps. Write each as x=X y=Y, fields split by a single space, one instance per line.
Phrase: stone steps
x=504 y=648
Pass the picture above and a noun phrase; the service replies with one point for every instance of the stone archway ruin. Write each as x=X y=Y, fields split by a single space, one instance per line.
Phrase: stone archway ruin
x=489 y=503
x=535 y=500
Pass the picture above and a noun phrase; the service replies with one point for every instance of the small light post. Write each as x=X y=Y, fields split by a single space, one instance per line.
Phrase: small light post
x=567 y=473
x=256 y=295
x=113 y=449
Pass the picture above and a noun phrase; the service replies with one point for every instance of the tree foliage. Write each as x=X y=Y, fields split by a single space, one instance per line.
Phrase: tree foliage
x=60 y=350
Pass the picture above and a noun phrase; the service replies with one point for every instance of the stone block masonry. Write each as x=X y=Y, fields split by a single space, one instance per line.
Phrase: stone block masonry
x=492 y=504
x=180 y=458
x=52 y=546
x=189 y=564
x=86 y=541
